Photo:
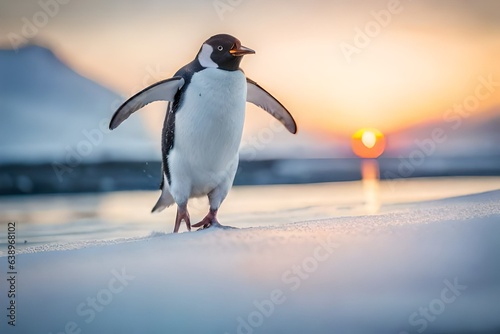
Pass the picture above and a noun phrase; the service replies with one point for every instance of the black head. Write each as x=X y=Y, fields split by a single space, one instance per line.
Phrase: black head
x=222 y=51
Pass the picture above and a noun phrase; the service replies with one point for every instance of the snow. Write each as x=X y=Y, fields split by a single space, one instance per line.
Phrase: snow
x=425 y=267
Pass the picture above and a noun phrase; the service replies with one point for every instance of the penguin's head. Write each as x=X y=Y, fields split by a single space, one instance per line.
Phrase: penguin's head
x=222 y=51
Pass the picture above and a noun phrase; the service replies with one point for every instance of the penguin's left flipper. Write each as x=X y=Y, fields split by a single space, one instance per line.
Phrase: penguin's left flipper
x=261 y=98
x=164 y=90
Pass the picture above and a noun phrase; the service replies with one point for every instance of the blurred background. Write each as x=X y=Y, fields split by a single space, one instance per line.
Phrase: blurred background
x=425 y=74
x=412 y=84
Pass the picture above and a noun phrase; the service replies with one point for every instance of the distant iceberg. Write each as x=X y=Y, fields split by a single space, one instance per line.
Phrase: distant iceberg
x=51 y=114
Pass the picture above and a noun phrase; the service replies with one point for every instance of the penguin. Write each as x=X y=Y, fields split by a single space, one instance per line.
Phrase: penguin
x=203 y=125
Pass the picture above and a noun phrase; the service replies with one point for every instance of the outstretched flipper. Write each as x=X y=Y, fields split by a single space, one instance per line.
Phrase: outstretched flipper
x=261 y=98
x=164 y=90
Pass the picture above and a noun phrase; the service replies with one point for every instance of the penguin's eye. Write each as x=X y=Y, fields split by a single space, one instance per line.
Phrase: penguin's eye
x=220 y=48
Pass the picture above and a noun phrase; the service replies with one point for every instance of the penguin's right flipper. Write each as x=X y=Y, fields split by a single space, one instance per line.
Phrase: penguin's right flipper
x=164 y=90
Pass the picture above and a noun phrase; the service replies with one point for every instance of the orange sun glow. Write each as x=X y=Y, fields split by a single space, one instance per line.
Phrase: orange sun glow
x=368 y=143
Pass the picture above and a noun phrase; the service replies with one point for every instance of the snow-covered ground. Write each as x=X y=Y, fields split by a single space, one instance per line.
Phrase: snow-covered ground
x=427 y=267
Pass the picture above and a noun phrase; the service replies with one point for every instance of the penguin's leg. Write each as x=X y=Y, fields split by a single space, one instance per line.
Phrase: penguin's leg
x=215 y=198
x=182 y=214
x=180 y=193
x=210 y=220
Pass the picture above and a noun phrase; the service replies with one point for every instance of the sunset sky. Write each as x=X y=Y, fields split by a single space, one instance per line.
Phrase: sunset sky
x=422 y=57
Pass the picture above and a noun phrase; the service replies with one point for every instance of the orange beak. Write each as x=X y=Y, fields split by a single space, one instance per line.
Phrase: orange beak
x=240 y=50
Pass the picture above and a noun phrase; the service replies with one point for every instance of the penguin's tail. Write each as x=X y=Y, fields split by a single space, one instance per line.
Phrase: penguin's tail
x=164 y=201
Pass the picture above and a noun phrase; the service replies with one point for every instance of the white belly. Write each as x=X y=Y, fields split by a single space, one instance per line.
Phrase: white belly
x=208 y=129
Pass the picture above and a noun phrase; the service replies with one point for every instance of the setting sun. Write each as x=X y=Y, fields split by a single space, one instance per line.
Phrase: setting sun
x=368 y=143
x=369 y=139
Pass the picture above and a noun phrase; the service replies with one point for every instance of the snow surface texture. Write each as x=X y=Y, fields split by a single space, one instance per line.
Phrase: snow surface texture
x=427 y=268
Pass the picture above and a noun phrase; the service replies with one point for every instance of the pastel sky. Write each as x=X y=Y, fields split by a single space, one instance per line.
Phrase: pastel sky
x=420 y=58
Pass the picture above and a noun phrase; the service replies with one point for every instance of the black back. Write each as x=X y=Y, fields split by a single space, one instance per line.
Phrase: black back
x=168 y=138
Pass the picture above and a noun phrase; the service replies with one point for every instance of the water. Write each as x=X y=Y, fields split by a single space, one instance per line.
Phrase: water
x=66 y=218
